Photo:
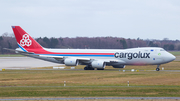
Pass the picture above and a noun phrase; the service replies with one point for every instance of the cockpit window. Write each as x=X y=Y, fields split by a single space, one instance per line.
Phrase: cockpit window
x=162 y=50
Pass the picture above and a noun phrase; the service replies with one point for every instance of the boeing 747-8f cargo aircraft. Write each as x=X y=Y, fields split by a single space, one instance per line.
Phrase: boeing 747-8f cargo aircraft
x=92 y=58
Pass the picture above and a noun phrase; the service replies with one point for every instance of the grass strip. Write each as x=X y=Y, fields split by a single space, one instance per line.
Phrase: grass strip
x=89 y=92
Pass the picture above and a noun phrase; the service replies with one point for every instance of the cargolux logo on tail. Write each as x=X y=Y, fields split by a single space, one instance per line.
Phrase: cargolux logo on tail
x=25 y=41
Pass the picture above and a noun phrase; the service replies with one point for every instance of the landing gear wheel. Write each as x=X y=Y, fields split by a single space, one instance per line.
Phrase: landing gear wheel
x=92 y=68
x=85 y=68
x=157 y=69
x=100 y=69
x=88 y=68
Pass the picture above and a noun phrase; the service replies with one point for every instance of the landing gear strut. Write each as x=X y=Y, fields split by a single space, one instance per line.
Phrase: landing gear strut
x=157 y=69
x=88 y=67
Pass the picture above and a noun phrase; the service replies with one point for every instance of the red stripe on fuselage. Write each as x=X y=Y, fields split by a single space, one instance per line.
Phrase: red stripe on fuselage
x=42 y=51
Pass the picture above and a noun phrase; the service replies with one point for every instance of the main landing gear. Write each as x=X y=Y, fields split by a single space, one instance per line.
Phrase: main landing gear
x=157 y=69
x=88 y=67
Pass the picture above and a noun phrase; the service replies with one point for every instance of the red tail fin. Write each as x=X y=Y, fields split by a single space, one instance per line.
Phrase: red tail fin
x=24 y=40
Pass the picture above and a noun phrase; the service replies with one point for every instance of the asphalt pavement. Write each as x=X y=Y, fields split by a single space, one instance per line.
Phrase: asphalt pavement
x=23 y=63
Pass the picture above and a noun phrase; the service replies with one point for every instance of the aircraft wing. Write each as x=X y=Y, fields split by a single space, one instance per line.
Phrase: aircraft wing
x=56 y=57
x=61 y=57
x=84 y=59
x=111 y=60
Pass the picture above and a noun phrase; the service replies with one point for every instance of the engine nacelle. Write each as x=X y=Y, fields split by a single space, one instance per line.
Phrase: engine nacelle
x=98 y=64
x=71 y=62
x=119 y=66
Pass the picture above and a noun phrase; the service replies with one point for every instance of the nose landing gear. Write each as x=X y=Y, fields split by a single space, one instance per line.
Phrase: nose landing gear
x=157 y=69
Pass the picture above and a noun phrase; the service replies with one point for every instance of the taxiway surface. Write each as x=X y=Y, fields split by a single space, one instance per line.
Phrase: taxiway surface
x=23 y=62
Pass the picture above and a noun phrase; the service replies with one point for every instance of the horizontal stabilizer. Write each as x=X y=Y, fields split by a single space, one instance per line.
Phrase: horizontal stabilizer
x=17 y=51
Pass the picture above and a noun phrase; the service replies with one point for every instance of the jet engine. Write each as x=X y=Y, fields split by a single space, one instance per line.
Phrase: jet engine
x=119 y=66
x=71 y=62
x=98 y=64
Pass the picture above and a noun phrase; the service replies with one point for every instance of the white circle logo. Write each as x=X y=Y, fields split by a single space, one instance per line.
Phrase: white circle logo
x=25 y=41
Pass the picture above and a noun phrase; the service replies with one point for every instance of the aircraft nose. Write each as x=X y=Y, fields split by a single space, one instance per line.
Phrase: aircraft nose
x=168 y=57
x=171 y=57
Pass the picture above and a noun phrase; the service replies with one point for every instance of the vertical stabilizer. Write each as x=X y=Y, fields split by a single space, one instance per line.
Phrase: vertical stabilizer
x=24 y=40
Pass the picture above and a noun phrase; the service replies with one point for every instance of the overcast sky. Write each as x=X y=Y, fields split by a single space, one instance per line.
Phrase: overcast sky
x=146 y=19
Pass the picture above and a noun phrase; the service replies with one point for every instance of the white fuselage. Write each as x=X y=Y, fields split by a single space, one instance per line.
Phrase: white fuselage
x=132 y=56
